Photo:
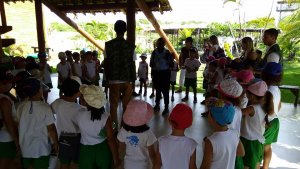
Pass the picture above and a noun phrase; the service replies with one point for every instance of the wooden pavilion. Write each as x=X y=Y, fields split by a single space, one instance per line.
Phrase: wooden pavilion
x=62 y=7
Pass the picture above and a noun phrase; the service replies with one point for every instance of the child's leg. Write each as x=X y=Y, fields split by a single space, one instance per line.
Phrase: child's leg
x=173 y=89
x=267 y=156
x=145 y=88
x=195 y=92
x=141 y=87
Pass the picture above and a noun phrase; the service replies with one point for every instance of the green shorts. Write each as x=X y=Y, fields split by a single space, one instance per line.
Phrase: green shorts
x=253 y=152
x=95 y=156
x=8 y=150
x=36 y=163
x=239 y=164
x=271 y=132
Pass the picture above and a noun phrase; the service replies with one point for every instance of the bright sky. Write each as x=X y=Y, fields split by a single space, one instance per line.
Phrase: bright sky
x=194 y=10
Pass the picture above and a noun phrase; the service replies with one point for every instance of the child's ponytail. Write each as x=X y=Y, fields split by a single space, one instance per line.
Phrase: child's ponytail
x=268 y=105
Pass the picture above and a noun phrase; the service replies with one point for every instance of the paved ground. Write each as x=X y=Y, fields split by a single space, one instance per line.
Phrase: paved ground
x=286 y=152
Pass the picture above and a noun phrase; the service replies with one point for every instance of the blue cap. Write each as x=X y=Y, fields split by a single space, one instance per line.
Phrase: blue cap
x=272 y=68
x=222 y=112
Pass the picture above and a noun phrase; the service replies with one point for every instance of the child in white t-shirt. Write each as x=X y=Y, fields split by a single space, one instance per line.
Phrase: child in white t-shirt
x=76 y=66
x=177 y=151
x=222 y=147
x=174 y=71
x=191 y=65
x=143 y=74
x=89 y=69
x=136 y=137
x=253 y=124
x=98 y=148
x=272 y=75
x=65 y=109
x=9 y=141
x=63 y=69
x=37 y=130
x=45 y=73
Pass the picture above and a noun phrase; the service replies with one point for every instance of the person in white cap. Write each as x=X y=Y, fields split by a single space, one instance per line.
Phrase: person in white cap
x=63 y=69
x=143 y=74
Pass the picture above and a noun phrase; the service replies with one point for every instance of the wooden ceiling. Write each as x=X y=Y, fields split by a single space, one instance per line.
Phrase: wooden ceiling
x=102 y=6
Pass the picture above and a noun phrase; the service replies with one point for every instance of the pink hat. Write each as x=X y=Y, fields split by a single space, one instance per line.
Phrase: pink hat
x=137 y=113
x=230 y=88
x=245 y=76
x=181 y=116
x=258 y=88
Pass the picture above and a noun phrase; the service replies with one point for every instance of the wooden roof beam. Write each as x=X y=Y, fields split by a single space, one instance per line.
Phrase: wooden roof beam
x=148 y=13
x=65 y=18
x=101 y=7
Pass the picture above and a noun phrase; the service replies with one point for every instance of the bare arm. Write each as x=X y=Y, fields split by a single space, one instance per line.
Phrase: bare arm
x=53 y=136
x=193 y=161
x=157 y=164
x=207 y=155
x=112 y=142
x=248 y=111
x=152 y=154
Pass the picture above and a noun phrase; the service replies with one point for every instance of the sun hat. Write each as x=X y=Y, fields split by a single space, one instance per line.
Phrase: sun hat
x=181 y=116
x=137 y=113
x=221 y=111
x=230 y=88
x=258 y=87
x=272 y=68
x=62 y=55
x=245 y=76
x=93 y=95
x=144 y=55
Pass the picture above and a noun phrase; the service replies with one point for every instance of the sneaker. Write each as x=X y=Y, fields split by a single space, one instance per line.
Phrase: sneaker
x=165 y=112
x=178 y=91
x=156 y=108
x=203 y=102
x=185 y=99
x=195 y=100
x=152 y=95
x=135 y=94
x=172 y=98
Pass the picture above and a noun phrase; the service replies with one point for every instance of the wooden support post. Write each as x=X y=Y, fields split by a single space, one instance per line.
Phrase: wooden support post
x=3 y=20
x=40 y=25
x=131 y=24
x=64 y=17
x=148 y=13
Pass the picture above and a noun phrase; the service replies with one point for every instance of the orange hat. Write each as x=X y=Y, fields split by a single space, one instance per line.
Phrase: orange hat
x=181 y=116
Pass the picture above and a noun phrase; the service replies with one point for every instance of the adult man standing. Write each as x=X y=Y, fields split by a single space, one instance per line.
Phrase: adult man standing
x=184 y=54
x=119 y=69
x=160 y=62
x=273 y=53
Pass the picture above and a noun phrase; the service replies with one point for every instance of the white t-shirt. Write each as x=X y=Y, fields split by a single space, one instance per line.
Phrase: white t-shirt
x=224 y=149
x=253 y=127
x=237 y=120
x=176 y=151
x=174 y=72
x=220 y=76
x=143 y=70
x=91 y=69
x=64 y=69
x=244 y=100
x=276 y=101
x=65 y=112
x=192 y=64
x=90 y=130
x=4 y=134
x=78 y=69
x=137 y=155
x=46 y=74
x=34 y=117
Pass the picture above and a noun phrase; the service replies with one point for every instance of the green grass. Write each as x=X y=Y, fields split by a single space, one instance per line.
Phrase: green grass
x=291 y=77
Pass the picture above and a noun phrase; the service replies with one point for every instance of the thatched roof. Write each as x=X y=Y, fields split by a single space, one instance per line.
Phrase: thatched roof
x=103 y=6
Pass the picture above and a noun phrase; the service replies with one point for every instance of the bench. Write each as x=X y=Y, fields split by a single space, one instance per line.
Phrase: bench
x=294 y=90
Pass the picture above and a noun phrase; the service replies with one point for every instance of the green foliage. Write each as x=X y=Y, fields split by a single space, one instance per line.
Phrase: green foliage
x=60 y=27
x=185 y=32
x=227 y=50
x=17 y=50
x=263 y=22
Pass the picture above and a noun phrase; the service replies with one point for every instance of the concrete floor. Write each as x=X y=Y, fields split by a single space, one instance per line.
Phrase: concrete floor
x=286 y=152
